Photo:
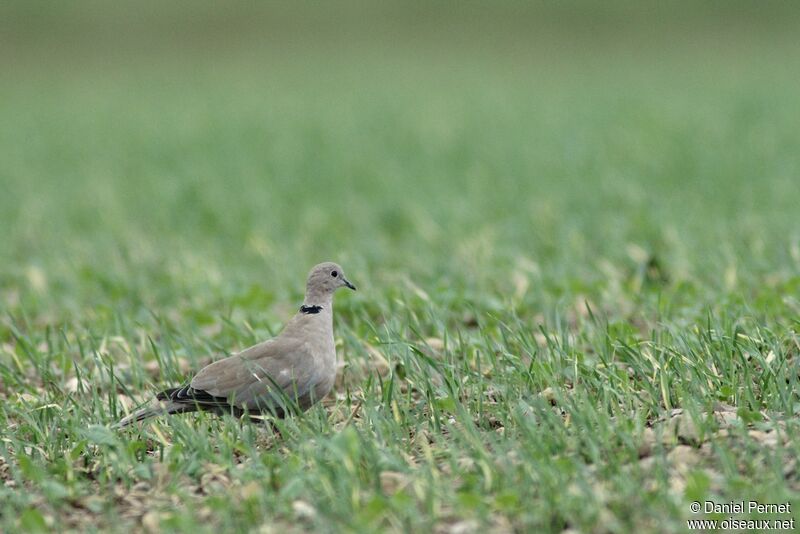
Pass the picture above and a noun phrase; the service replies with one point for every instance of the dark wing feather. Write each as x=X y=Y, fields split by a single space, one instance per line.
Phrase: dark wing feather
x=202 y=400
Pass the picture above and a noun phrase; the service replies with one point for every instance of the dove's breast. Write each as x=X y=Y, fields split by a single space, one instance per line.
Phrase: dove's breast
x=317 y=392
x=317 y=333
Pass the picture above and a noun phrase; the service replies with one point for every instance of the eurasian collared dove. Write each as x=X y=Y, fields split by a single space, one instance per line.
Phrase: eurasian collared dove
x=293 y=370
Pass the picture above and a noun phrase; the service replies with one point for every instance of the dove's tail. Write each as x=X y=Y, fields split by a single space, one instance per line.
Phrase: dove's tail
x=162 y=405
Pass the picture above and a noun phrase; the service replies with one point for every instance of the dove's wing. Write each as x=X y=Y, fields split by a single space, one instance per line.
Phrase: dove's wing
x=270 y=376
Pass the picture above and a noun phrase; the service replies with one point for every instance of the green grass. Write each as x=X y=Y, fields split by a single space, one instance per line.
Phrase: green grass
x=578 y=268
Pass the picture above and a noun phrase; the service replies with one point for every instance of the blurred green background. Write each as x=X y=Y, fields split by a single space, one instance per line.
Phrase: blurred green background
x=212 y=144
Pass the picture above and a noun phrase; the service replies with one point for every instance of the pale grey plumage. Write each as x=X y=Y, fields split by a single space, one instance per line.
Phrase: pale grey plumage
x=293 y=370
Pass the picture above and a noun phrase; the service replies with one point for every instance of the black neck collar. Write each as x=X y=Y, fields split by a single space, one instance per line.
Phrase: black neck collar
x=310 y=309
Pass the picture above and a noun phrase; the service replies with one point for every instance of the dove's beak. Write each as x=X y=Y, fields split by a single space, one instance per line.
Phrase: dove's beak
x=348 y=284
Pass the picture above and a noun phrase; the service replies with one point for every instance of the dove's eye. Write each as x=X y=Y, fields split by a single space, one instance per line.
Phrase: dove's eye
x=334 y=274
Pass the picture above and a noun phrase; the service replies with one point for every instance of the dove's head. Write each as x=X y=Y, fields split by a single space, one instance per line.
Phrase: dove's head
x=324 y=279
